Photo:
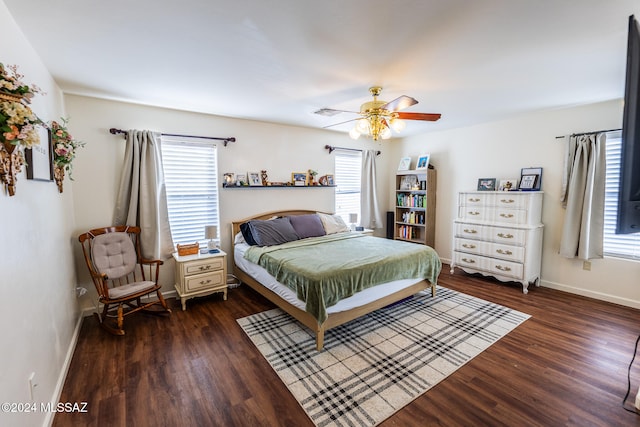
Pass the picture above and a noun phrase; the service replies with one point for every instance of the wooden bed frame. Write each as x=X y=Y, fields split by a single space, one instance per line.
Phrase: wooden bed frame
x=333 y=319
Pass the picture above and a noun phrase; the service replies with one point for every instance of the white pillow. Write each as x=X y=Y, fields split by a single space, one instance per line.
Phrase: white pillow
x=332 y=223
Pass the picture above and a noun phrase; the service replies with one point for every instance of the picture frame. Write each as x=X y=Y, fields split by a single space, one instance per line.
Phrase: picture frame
x=299 y=179
x=510 y=184
x=241 y=179
x=405 y=164
x=528 y=182
x=537 y=181
x=254 y=179
x=486 y=184
x=423 y=162
x=409 y=182
x=326 y=180
x=39 y=158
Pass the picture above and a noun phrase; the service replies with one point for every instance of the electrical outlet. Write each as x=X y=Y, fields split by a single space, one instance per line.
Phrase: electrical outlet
x=638 y=399
x=586 y=265
x=32 y=385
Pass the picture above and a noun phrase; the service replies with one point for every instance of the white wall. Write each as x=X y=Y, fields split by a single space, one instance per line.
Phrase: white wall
x=38 y=309
x=278 y=149
x=500 y=150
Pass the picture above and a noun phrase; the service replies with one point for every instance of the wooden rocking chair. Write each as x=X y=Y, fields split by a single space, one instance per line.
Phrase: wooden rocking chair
x=121 y=275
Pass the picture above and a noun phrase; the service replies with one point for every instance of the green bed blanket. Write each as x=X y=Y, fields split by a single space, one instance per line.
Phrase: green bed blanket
x=323 y=270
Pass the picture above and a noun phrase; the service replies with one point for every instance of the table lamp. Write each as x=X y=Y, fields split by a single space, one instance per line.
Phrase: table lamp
x=353 y=218
x=211 y=233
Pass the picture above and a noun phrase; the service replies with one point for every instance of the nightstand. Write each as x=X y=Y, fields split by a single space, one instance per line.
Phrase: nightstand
x=200 y=274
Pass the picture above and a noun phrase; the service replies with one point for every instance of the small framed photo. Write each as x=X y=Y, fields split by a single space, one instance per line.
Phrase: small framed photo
x=254 y=179
x=405 y=164
x=508 y=184
x=229 y=179
x=326 y=180
x=423 y=162
x=533 y=180
x=528 y=182
x=486 y=184
x=409 y=182
x=299 y=178
x=241 y=179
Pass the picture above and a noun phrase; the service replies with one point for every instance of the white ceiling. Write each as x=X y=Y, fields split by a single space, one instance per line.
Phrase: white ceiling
x=281 y=60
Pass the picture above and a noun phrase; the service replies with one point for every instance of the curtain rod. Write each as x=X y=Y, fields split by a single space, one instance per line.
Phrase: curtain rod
x=115 y=131
x=331 y=148
x=587 y=133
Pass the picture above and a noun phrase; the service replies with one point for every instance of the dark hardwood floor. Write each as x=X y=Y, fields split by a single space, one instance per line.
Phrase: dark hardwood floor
x=565 y=366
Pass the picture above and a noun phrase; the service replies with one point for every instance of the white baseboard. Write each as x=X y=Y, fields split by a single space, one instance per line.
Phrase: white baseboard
x=591 y=294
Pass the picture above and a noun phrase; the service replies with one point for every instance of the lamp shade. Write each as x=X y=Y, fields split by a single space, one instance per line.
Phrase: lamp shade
x=210 y=232
x=353 y=217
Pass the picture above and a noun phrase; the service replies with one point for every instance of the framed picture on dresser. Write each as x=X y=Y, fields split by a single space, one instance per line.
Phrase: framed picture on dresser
x=486 y=184
x=530 y=179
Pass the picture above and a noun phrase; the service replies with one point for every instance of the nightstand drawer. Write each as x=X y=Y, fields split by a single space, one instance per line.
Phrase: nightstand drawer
x=206 y=280
x=203 y=266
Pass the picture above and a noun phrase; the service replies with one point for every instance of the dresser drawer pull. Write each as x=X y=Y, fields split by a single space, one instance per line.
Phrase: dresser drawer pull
x=204 y=267
x=506 y=215
x=470 y=261
x=507 y=200
x=501 y=268
x=468 y=246
x=470 y=231
x=500 y=251
x=205 y=282
x=473 y=213
x=474 y=200
x=505 y=236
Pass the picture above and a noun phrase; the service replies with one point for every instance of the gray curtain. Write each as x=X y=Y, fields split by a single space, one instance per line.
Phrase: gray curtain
x=370 y=214
x=142 y=197
x=582 y=195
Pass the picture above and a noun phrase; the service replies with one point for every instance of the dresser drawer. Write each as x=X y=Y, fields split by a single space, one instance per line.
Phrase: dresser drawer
x=495 y=250
x=505 y=235
x=203 y=266
x=493 y=214
x=498 y=267
x=205 y=280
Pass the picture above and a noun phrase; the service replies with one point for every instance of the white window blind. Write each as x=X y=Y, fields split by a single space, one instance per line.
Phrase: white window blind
x=348 y=169
x=616 y=245
x=190 y=172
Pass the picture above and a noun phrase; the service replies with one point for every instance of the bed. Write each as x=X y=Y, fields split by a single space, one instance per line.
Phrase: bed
x=369 y=276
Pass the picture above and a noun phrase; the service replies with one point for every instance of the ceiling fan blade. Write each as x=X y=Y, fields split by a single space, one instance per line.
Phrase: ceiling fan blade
x=341 y=123
x=400 y=103
x=428 y=117
x=330 y=112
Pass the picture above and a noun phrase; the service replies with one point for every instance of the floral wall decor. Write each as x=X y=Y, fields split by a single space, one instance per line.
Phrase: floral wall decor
x=64 y=150
x=18 y=124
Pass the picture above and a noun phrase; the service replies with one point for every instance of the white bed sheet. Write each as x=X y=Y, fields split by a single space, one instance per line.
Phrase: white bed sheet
x=361 y=298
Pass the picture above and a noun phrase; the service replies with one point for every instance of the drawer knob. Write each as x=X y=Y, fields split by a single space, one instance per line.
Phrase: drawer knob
x=470 y=231
x=474 y=213
x=501 y=268
x=507 y=200
x=470 y=261
x=500 y=251
x=468 y=246
x=205 y=282
x=474 y=200
x=204 y=267
x=505 y=236
x=503 y=215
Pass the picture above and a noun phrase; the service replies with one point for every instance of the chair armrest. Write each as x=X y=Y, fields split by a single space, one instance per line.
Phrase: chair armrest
x=151 y=261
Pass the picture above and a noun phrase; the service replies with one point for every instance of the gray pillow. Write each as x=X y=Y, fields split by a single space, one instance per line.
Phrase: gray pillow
x=272 y=232
x=308 y=225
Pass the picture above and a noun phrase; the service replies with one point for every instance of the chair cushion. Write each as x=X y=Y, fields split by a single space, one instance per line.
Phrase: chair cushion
x=113 y=254
x=129 y=289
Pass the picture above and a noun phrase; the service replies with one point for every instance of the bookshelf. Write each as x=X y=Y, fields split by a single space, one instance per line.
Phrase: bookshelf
x=415 y=211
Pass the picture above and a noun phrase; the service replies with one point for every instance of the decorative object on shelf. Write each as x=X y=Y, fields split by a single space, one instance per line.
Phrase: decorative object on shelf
x=530 y=179
x=229 y=178
x=241 y=179
x=18 y=124
x=508 y=184
x=409 y=182
x=211 y=234
x=311 y=177
x=39 y=158
x=405 y=164
x=326 y=180
x=264 y=178
x=377 y=118
x=299 y=178
x=254 y=179
x=64 y=150
x=423 y=162
x=486 y=184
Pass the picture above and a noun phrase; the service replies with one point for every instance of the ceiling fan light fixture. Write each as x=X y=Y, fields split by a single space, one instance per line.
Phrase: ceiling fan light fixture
x=385 y=133
x=397 y=124
x=363 y=126
x=354 y=134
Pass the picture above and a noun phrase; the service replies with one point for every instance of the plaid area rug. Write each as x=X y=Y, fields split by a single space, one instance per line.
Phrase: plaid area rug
x=373 y=366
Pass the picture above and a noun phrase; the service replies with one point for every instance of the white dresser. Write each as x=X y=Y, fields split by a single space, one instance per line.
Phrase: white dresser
x=499 y=234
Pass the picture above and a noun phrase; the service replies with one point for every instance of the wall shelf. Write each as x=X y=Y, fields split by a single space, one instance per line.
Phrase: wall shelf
x=261 y=187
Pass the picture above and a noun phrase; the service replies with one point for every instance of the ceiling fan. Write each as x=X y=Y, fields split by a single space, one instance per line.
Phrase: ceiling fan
x=377 y=118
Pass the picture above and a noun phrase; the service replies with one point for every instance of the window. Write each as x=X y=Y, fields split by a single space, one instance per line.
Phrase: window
x=348 y=169
x=616 y=245
x=191 y=177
